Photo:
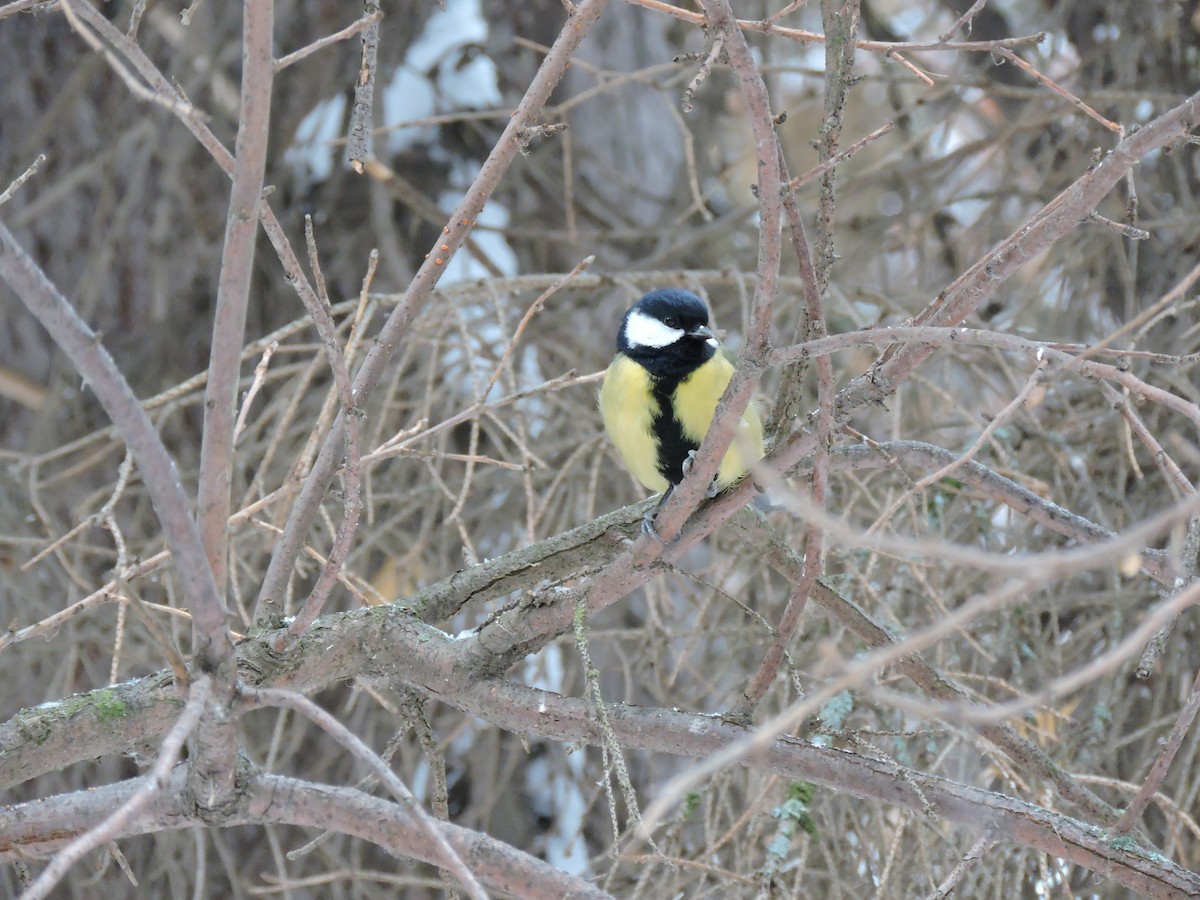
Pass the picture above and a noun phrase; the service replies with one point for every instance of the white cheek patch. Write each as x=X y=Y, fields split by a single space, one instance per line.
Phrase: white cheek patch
x=642 y=330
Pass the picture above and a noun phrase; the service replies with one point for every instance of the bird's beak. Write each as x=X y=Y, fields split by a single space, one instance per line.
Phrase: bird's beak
x=703 y=333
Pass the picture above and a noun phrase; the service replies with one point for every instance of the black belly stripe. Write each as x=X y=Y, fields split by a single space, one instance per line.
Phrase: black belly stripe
x=673 y=446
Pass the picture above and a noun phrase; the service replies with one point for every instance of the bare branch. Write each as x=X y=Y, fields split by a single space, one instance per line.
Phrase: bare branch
x=349 y=31
x=82 y=346
x=430 y=826
x=150 y=788
x=502 y=156
x=233 y=289
x=362 y=111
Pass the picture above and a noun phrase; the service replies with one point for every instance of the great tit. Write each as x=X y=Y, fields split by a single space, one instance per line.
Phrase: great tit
x=661 y=390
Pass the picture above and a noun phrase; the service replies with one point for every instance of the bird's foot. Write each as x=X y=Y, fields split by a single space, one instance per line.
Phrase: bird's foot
x=686 y=466
x=648 y=526
x=648 y=519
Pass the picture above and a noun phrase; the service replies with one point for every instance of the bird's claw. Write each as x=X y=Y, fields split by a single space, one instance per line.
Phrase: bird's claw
x=687 y=467
x=648 y=528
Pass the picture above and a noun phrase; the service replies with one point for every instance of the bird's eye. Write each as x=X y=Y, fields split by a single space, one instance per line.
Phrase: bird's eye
x=671 y=321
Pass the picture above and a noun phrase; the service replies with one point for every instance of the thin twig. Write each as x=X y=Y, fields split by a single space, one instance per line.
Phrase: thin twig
x=1129 y=231
x=1059 y=89
x=1096 y=668
x=20 y=6
x=891 y=53
x=352 y=497
x=811 y=37
x=986 y=840
x=964 y=21
x=1162 y=762
x=349 y=31
x=816 y=171
x=975 y=286
x=714 y=53
x=260 y=374
x=534 y=308
x=173 y=102
x=21 y=179
x=1035 y=378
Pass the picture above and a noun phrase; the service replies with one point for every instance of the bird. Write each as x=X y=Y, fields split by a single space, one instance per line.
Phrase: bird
x=661 y=390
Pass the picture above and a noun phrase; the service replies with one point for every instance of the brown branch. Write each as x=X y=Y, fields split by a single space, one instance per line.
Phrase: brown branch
x=528 y=710
x=67 y=734
x=82 y=346
x=171 y=101
x=975 y=286
x=271 y=226
x=134 y=53
x=811 y=37
x=45 y=825
x=349 y=31
x=233 y=287
x=149 y=788
x=503 y=154
x=840 y=20
x=546 y=614
x=213 y=768
x=386 y=641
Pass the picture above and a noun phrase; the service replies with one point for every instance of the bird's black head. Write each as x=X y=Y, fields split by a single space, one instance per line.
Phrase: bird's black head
x=667 y=332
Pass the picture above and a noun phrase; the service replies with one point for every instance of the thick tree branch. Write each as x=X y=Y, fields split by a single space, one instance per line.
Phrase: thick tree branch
x=148 y=791
x=43 y=826
x=214 y=755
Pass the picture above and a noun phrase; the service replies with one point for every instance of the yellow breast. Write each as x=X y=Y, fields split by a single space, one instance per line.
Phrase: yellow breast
x=695 y=402
x=628 y=407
